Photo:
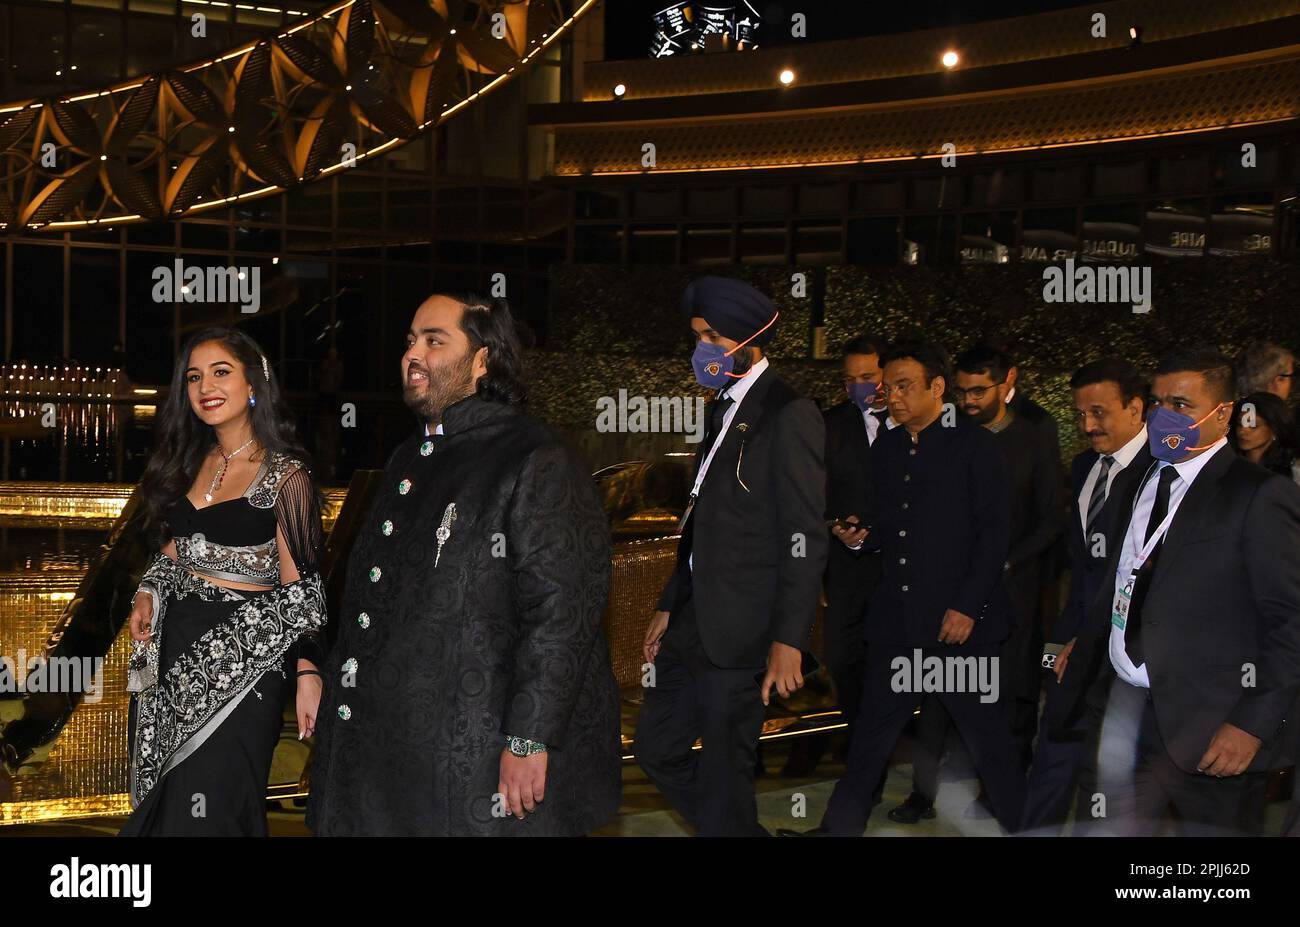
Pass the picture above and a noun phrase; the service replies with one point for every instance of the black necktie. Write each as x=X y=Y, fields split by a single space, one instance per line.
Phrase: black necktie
x=1133 y=626
x=1097 y=501
x=717 y=412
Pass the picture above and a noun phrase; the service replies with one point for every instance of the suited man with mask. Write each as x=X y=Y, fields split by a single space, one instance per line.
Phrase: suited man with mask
x=736 y=614
x=851 y=429
x=1191 y=653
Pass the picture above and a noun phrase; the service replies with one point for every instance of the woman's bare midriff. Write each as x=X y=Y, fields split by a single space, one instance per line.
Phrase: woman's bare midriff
x=170 y=550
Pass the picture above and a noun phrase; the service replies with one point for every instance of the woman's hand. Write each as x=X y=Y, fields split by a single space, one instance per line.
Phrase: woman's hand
x=142 y=617
x=307 y=702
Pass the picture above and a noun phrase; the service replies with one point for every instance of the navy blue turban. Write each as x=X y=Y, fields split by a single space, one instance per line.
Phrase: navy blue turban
x=733 y=308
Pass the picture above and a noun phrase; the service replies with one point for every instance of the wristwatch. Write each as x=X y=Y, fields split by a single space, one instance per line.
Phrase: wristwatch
x=520 y=746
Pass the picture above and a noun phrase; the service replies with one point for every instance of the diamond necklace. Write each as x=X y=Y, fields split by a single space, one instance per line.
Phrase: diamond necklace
x=221 y=470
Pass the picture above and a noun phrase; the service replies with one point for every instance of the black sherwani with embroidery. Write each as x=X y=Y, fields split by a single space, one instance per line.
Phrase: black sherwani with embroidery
x=498 y=635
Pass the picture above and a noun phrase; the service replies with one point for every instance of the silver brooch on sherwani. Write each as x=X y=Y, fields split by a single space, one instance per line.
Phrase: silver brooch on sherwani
x=444 y=530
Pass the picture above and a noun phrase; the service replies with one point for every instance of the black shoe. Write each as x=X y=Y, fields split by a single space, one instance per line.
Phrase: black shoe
x=916 y=808
x=815 y=832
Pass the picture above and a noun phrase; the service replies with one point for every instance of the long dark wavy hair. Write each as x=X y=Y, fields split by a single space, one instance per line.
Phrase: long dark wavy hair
x=183 y=440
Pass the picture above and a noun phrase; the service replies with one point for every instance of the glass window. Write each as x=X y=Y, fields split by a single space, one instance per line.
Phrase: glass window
x=37 y=68
x=873 y=241
x=597 y=244
x=150 y=327
x=713 y=201
x=987 y=238
x=1236 y=167
x=930 y=240
x=1049 y=235
x=1176 y=228
x=1183 y=172
x=94 y=305
x=655 y=203
x=995 y=188
x=1242 y=224
x=653 y=244
x=707 y=244
x=360 y=197
x=96 y=56
x=1119 y=178
x=878 y=195
x=939 y=192
x=827 y=198
x=765 y=201
x=595 y=204
x=763 y=243
x=1060 y=183
x=306 y=204
x=38 y=306
x=1112 y=232
x=817 y=242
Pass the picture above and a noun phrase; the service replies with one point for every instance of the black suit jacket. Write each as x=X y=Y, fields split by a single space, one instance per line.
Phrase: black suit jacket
x=941 y=519
x=848 y=484
x=757 y=529
x=1224 y=598
x=1088 y=556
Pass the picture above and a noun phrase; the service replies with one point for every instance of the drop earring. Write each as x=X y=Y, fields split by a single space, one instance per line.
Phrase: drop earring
x=252 y=401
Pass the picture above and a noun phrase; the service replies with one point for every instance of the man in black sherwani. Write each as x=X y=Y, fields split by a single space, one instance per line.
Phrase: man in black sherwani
x=470 y=691
x=735 y=617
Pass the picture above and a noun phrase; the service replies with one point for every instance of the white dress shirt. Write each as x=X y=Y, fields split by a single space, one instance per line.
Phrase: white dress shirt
x=1122 y=458
x=1133 y=541
x=736 y=392
x=873 y=425
x=437 y=431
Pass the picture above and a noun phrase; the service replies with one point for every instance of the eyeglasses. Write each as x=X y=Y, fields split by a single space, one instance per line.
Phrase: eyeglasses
x=975 y=392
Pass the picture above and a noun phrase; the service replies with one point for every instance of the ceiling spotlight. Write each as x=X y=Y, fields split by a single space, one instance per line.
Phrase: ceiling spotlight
x=949 y=59
x=619 y=90
x=786 y=77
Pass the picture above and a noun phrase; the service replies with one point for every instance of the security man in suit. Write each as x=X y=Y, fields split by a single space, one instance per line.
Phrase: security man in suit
x=1195 y=638
x=735 y=617
x=1110 y=399
x=852 y=427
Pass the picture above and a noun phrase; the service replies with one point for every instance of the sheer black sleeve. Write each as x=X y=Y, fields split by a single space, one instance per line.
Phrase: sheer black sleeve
x=298 y=517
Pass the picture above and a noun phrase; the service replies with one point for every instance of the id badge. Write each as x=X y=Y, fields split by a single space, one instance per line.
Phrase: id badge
x=1119 y=610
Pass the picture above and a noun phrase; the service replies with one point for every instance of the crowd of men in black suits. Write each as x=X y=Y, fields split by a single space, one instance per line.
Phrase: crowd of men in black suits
x=931 y=509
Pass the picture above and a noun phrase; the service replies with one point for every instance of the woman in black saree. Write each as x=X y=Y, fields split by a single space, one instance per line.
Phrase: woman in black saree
x=230 y=610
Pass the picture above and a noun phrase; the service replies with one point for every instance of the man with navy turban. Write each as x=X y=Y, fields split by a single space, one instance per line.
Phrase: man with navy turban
x=734 y=619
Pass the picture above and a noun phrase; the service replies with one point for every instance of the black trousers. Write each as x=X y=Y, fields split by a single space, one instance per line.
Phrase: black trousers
x=1061 y=768
x=1141 y=784
x=1019 y=673
x=713 y=789
x=885 y=712
x=849 y=583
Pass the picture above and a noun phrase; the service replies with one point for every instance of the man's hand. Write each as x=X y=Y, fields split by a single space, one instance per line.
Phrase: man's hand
x=1061 y=659
x=523 y=781
x=956 y=627
x=1229 y=753
x=654 y=635
x=783 y=670
x=851 y=537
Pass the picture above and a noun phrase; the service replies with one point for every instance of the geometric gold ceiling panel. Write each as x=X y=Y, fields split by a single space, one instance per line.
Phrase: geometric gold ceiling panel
x=1032 y=118
x=350 y=83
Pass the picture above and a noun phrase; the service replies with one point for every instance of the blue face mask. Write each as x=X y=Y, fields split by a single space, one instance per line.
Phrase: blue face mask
x=714 y=367
x=863 y=395
x=1172 y=435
